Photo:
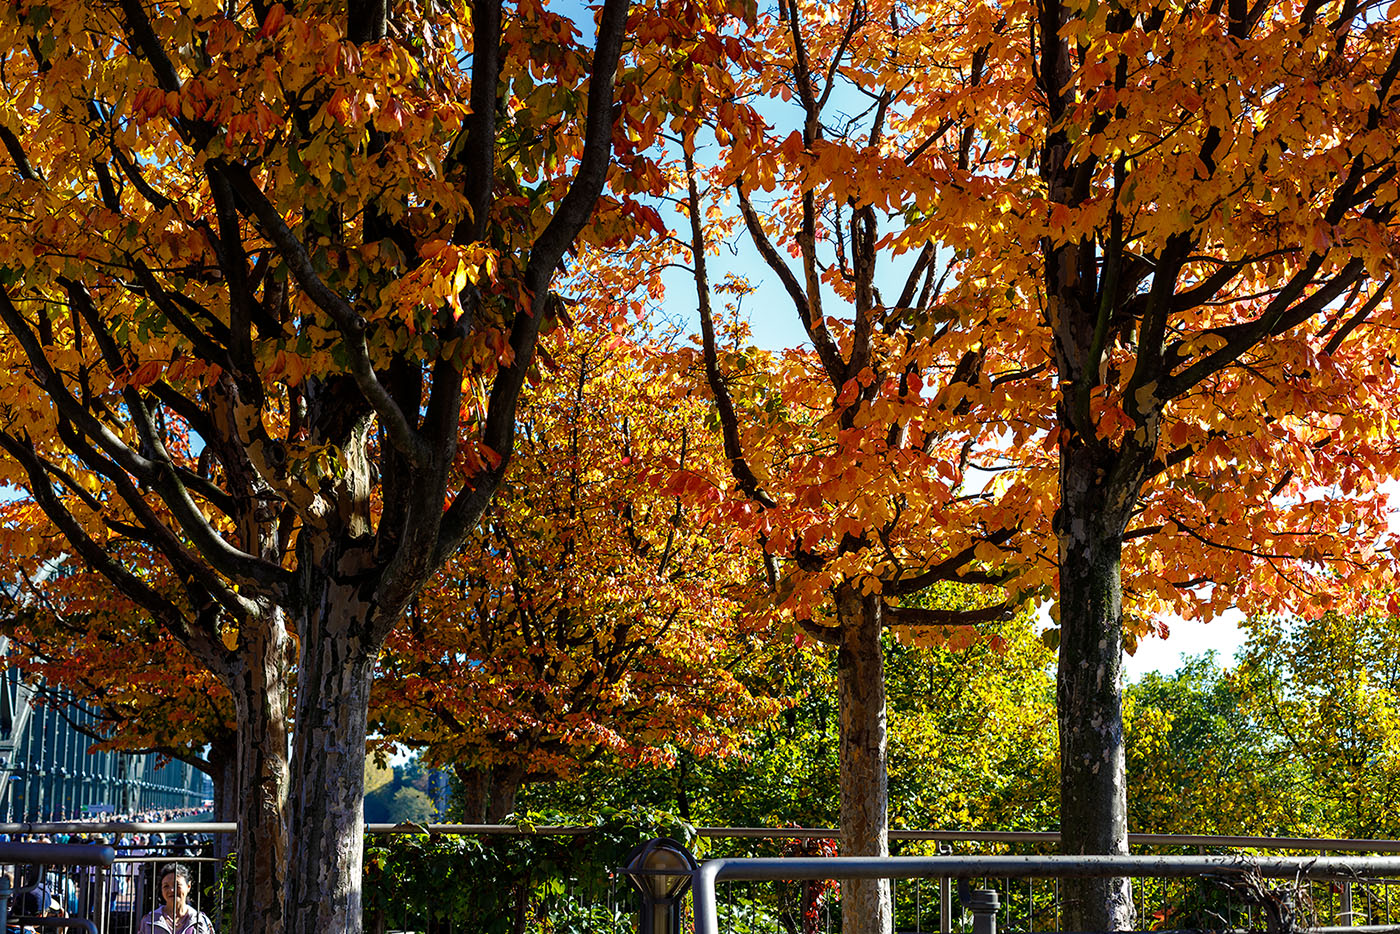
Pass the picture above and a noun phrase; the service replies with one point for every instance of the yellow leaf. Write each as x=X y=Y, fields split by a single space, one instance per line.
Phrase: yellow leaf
x=1146 y=397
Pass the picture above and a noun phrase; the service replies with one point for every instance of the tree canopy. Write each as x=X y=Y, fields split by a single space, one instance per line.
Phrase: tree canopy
x=1098 y=301
x=590 y=612
x=270 y=285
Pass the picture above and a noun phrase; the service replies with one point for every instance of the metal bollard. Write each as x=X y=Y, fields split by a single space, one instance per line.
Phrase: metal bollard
x=983 y=903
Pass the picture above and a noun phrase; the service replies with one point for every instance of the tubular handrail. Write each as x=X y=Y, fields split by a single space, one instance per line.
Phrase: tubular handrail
x=1346 y=845
x=57 y=854
x=1321 y=844
x=931 y=867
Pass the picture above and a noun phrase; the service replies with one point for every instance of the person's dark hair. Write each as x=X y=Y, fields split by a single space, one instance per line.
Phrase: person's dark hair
x=180 y=870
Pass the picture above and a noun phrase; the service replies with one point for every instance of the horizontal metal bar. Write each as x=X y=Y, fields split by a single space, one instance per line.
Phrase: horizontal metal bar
x=57 y=854
x=932 y=867
x=205 y=827
x=1351 y=845
x=1344 y=845
x=62 y=924
x=1028 y=867
x=111 y=827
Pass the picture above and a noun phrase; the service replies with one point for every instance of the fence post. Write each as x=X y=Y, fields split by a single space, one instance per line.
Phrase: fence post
x=983 y=903
x=945 y=895
x=1347 y=916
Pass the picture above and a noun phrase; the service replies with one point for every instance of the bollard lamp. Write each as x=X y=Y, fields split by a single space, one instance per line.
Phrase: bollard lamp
x=661 y=871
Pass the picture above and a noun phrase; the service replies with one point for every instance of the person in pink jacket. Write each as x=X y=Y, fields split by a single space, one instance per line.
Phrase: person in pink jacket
x=177 y=915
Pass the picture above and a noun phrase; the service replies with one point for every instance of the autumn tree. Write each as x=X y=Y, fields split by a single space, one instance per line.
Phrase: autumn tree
x=1155 y=244
x=271 y=278
x=77 y=642
x=854 y=467
x=1213 y=191
x=588 y=615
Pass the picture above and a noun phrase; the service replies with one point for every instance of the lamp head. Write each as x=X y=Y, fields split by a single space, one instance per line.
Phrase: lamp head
x=660 y=869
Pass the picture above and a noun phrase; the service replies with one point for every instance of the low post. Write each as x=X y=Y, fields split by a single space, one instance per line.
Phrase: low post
x=983 y=903
x=661 y=870
x=945 y=895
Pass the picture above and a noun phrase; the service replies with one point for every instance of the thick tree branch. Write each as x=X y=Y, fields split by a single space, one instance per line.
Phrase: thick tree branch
x=575 y=208
x=1281 y=314
x=923 y=616
x=954 y=568
x=352 y=325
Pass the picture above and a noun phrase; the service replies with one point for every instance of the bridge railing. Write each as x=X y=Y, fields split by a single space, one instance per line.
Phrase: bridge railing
x=554 y=895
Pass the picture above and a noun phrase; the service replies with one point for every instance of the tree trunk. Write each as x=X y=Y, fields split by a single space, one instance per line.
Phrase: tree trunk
x=261 y=707
x=473 y=784
x=223 y=757
x=487 y=793
x=865 y=903
x=1093 y=782
x=324 y=871
x=505 y=786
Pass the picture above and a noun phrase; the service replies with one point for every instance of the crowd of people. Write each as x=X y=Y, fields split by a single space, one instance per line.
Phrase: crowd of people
x=131 y=887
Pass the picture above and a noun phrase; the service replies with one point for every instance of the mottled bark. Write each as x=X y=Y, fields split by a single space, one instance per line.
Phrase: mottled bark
x=261 y=705
x=324 y=872
x=865 y=903
x=1093 y=781
x=223 y=759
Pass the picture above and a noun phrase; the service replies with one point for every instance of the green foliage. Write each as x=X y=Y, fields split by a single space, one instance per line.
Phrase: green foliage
x=1301 y=738
x=411 y=804
x=972 y=732
x=1326 y=692
x=972 y=746
x=1197 y=760
x=377 y=773
x=398 y=793
x=517 y=883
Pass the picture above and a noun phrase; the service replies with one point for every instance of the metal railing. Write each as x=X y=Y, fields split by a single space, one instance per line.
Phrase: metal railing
x=94 y=858
x=986 y=904
x=114 y=900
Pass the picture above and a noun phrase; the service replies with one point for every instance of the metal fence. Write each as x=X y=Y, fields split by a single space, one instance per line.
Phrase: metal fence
x=560 y=888
x=929 y=902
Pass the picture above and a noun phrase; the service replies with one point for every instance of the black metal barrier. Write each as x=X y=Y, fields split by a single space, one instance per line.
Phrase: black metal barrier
x=49 y=854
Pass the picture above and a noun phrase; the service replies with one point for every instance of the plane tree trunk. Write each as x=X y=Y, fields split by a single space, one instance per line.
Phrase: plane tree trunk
x=1093 y=782
x=327 y=801
x=260 y=702
x=865 y=903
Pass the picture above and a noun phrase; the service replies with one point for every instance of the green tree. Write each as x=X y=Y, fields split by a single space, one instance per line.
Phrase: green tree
x=1326 y=691
x=972 y=744
x=972 y=731
x=1199 y=761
